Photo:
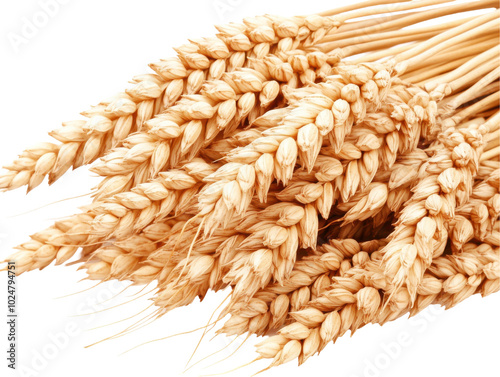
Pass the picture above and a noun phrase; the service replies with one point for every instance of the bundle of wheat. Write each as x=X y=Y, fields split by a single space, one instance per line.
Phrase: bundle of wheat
x=336 y=180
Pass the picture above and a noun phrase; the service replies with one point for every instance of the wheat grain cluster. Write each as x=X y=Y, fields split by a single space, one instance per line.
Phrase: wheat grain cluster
x=340 y=168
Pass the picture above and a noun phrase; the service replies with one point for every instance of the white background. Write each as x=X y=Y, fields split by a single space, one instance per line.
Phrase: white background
x=87 y=51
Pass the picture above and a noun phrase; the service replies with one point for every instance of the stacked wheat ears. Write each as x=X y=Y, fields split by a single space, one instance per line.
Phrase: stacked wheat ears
x=333 y=170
